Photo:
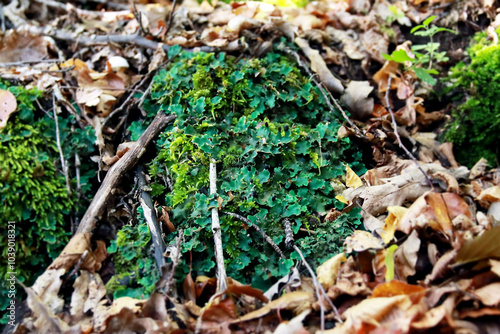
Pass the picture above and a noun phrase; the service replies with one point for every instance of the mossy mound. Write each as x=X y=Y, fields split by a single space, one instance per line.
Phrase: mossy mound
x=475 y=127
x=278 y=156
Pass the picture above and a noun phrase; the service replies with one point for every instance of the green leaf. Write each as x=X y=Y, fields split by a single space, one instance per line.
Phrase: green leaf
x=429 y=20
x=399 y=56
x=424 y=76
x=263 y=176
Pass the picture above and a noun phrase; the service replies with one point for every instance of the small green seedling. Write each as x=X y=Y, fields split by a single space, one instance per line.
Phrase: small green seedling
x=425 y=54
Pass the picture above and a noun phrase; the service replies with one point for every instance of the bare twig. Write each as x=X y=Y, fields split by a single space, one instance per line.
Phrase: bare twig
x=396 y=133
x=175 y=255
x=29 y=62
x=171 y=16
x=127 y=100
x=64 y=164
x=221 y=270
x=134 y=39
x=150 y=216
x=258 y=229
x=101 y=198
x=319 y=288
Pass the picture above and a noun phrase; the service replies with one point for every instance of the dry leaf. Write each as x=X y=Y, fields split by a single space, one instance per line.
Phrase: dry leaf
x=483 y=247
x=356 y=98
x=406 y=256
x=328 y=271
x=489 y=294
x=8 y=105
x=362 y=240
x=297 y=301
x=318 y=65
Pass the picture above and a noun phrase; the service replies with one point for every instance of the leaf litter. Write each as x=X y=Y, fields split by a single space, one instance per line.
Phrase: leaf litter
x=427 y=259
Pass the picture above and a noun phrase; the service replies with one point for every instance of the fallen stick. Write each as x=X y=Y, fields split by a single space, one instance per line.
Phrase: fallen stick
x=219 y=255
x=80 y=242
x=96 y=208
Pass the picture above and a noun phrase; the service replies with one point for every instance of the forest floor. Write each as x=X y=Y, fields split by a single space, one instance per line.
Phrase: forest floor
x=426 y=258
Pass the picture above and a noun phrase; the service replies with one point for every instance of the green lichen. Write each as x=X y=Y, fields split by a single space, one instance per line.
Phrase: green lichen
x=476 y=123
x=136 y=272
x=277 y=151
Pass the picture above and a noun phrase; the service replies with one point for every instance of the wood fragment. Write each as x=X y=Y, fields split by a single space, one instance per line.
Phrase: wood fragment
x=96 y=208
x=221 y=270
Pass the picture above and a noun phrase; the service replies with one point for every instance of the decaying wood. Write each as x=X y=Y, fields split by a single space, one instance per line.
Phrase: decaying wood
x=96 y=208
x=150 y=216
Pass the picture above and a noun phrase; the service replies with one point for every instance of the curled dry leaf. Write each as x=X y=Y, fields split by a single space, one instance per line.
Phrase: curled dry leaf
x=318 y=65
x=328 y=271
x=356 y=98
x=297 y=302
x=79 y=248
x=484 y=246
x=88 y=291
x=362 y=240
x=8 y=105
x=406 y=256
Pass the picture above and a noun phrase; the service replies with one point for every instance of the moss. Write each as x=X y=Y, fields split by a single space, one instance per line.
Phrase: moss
x=476 y=123
x=33 y=191
x=277 y=151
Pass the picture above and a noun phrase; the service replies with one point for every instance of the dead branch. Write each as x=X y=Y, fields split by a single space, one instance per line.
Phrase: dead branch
x=150 y=216
x=134 y=39
x=64 y=164
x=219 y=255
x=258 y=229
x=96 y=208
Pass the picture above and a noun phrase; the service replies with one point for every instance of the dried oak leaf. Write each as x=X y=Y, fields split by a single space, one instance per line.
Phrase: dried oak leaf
x=8 y=105
x=79 y=249
x=356 y=98
x=318 y=65
x=22 y=47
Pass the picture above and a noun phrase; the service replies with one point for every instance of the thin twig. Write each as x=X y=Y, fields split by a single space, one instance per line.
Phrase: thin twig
x=258 y=229
x=64 y=164
x=126 y=102
x=396 y=133
x=170 y=16
x=175 y=259
x=134 y=39
x=29 y=62
x=319 y=288
x=219 y=255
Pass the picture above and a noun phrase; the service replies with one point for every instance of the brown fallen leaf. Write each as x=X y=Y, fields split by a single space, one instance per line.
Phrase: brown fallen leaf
x=484 y=246
x=297 y=301
x=8 y=105
x=362 y=240
x=78 y=247
x=318 y=65
x=489 y=295
x=328 y=271
x=356 y=98
x=406 y=256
